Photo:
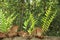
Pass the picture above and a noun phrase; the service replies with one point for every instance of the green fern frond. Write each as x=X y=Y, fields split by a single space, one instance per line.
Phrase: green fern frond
x=5 y=23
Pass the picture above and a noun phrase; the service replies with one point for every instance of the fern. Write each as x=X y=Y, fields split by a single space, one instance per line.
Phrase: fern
x=5 y=23
x=49 y=16
x=32 y=21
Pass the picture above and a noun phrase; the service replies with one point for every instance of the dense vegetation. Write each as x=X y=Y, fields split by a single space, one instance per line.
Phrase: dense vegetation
x=33 y=13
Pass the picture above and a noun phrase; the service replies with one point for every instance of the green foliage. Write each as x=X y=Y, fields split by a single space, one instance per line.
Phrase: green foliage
x=2 y=22
x=47 y=9
x=54 y=28
x=6 y=23
x=47 y=21
x=49 y=15
x=31 y=21
x=44 y=11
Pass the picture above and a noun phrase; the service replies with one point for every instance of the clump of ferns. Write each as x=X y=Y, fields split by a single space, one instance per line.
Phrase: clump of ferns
x=29 y=24
x=49 y=16
x=5 y=23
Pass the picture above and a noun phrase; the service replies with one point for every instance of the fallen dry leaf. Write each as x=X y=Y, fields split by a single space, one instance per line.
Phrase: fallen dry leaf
x=2 y=35
x=23 y=34
x=13 y=31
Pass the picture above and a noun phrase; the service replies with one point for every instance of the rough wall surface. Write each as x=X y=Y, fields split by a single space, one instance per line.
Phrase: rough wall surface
x=20 y=38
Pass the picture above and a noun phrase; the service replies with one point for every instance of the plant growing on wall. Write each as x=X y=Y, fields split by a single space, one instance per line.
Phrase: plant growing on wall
x=33 y=22
x=50 y=14
x=30 y=22
x=5 y=23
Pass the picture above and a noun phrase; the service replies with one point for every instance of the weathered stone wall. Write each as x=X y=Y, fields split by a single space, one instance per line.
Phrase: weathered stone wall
x=20 y=38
